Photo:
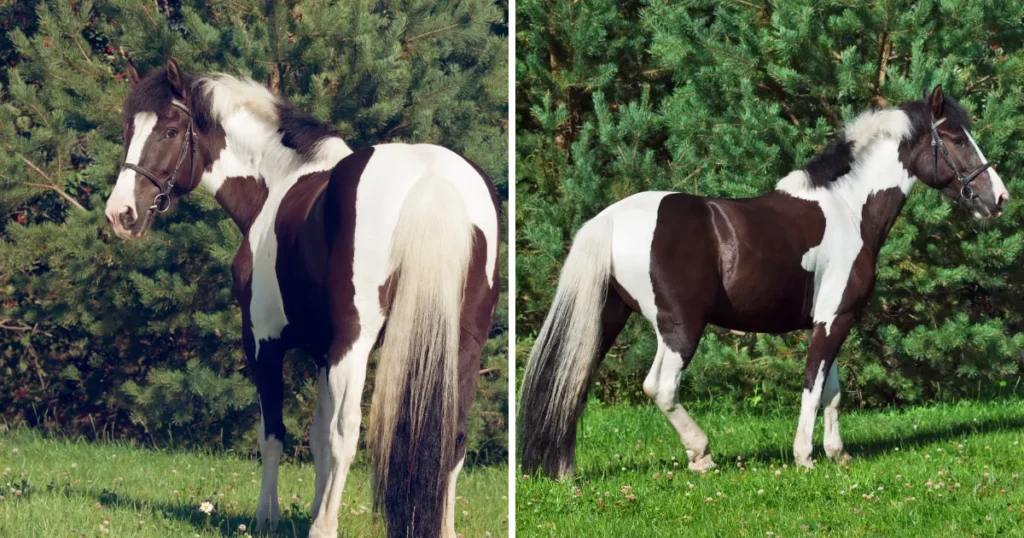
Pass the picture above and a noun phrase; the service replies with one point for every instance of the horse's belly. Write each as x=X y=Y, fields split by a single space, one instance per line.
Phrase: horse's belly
x=765 y=306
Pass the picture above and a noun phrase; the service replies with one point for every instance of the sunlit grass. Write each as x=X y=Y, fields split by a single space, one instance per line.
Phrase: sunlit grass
x=950 y=470
x=62 y=488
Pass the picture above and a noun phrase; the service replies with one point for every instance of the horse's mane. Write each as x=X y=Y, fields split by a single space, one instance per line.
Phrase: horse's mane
x=218 y=95
x=904 y=123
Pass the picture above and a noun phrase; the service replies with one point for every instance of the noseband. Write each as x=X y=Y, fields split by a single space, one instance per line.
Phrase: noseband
x=938 y=146
x=162 y=201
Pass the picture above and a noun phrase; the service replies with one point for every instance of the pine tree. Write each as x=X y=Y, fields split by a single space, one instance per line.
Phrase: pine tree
x=142 y=339
x=723 y=99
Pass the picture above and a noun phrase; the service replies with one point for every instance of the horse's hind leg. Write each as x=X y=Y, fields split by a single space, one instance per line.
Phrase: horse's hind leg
x=674 y=353
x=319 y=437
x=346 y=374
x=478 y=301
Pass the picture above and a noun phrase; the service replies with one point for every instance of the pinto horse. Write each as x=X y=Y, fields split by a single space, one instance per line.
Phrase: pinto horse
x=337 y=242
x=801 y=257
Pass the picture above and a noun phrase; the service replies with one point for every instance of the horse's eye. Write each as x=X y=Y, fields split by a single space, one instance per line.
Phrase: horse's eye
x=958 y=141
x=172 y=132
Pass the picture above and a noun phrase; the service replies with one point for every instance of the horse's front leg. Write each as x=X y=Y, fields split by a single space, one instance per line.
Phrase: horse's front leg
x=267 y=374
x=821 y=358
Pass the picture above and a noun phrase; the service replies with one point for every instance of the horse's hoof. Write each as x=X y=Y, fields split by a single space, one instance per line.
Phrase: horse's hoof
x=702 y=464
x=806 y=463
x=322 y=531
x=841 y=457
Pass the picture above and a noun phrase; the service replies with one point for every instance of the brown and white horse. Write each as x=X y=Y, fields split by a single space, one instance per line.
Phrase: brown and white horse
x=801 y=257
x=336 y=244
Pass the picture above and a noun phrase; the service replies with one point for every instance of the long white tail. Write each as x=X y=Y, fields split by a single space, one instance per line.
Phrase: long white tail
x=565 y=354
x=413 y=418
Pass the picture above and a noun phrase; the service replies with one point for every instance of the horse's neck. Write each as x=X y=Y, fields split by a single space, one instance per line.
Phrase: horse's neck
x=254 y=169
x=874 y=192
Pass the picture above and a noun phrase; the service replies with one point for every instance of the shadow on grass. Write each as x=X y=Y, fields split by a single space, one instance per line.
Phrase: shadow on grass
x=859 y=449
x=296 y=524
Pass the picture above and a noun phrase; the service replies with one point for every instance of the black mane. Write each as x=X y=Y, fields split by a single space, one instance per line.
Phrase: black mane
x=301 y=131
x=831 y=164
x=921 y=115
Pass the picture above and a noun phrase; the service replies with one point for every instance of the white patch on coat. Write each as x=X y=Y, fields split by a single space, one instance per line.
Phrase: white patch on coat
x=876 y=169
x=998 y=188
x=123 y=195
x=633 y=222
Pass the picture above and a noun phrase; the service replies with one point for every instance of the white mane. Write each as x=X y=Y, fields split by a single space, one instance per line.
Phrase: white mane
x=891 y=124
x=228 y=94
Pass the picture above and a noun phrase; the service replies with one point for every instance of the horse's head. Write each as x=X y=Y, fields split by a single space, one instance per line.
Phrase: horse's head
x=164 y=149
x=944 y=156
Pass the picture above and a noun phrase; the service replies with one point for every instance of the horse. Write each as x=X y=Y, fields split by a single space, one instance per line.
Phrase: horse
x=802 y=257
x=337 y=243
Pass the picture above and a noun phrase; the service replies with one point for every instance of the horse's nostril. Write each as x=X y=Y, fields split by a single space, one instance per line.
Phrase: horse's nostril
x=127 y=218
x=1003 y=198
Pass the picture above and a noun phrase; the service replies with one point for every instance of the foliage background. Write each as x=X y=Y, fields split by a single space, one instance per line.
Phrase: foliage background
x=723 y=99
x=140 y=340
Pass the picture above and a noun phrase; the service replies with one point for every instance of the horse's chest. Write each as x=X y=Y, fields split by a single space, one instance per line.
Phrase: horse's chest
x=843 y=274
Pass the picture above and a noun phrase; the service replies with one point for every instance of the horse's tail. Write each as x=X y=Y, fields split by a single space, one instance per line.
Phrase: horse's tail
x=413 y=418
x=565 y=354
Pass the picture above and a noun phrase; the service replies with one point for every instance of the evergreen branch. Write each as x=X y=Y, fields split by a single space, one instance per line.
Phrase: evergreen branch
x=734 y=57
x=22 y=328
x=51 y=186
x=430 y=33
x=80 y=49
x=979 y=82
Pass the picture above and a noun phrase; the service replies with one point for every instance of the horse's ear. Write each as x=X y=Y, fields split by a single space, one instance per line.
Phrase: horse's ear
x=937 y=102
x=133 y=74
x=175 y=78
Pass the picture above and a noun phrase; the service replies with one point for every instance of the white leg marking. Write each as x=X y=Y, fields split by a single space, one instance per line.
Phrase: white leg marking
x=319 y=434
x=803 y=442
x=268 y=509
x=345 y=385
x=661 y=385
x=830 y=396
x=449 y=512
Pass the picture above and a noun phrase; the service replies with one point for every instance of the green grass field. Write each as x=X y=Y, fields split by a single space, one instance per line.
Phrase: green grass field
x=950 y=470
x=60 y=488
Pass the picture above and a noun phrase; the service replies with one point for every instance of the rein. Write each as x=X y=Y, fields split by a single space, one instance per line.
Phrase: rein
x=162 y=201
x=938 y=146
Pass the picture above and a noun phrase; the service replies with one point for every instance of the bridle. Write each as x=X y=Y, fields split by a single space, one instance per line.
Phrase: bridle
x=162 y=201
x=938 y=146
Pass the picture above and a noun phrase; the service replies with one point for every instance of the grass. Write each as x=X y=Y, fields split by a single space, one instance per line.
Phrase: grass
x=950 y=470
x=108 y=489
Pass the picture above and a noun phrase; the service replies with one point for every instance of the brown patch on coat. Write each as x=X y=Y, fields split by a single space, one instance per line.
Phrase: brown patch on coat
x=243 y=199
x=710 y=264
x=339 y=217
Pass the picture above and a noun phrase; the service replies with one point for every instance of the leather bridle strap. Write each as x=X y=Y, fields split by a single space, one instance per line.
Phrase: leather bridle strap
x=162 y=201
x=939 y=147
